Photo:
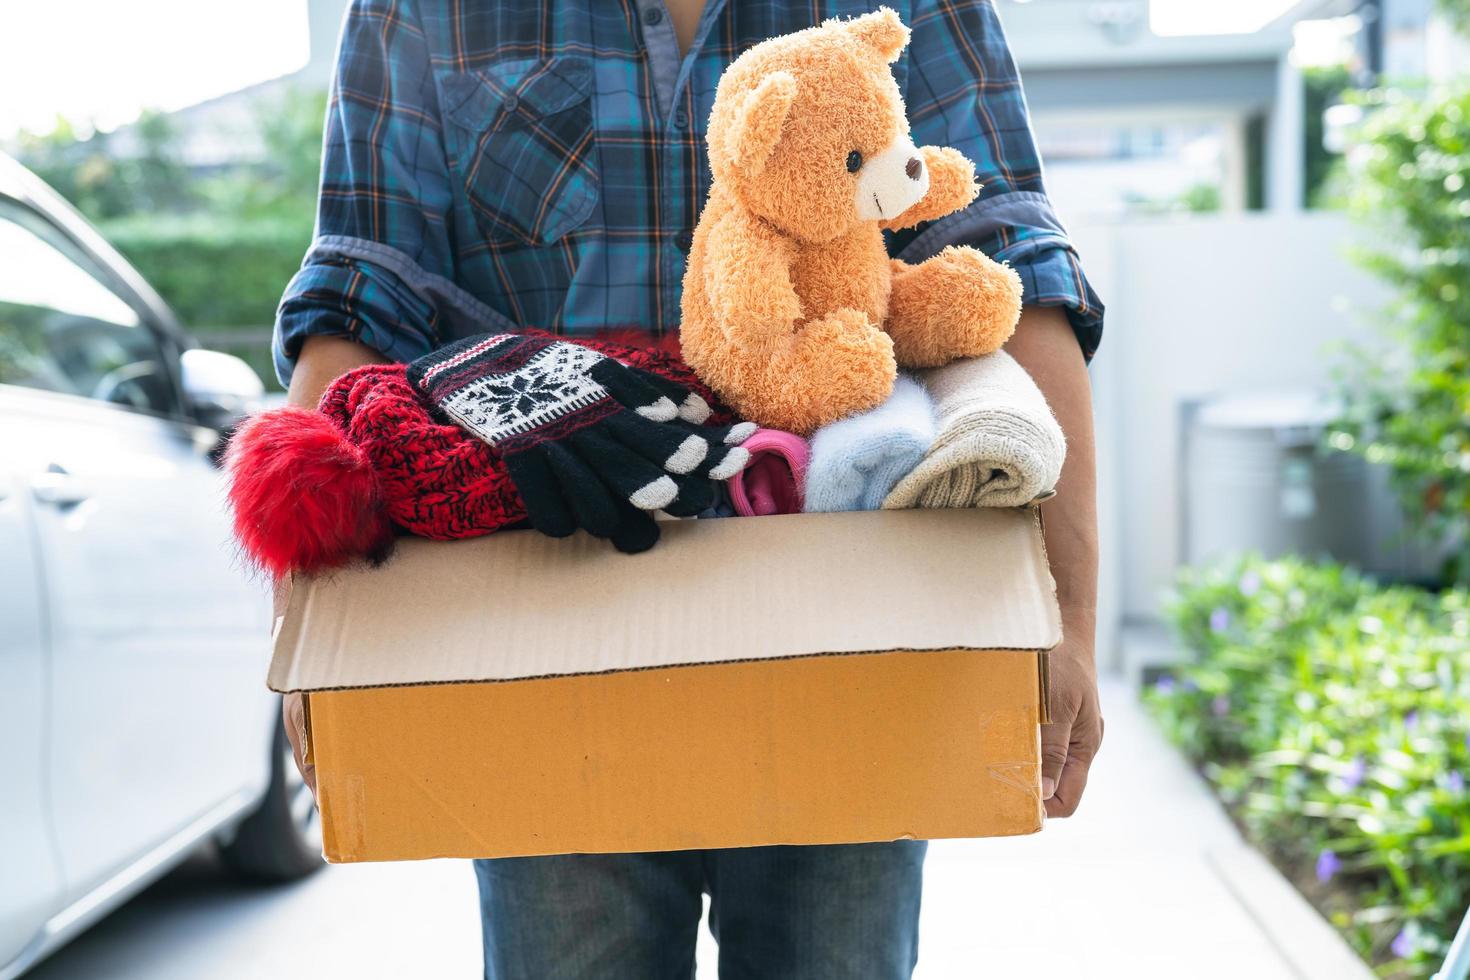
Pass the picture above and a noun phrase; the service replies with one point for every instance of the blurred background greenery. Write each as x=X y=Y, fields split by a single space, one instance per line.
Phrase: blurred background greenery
x=1330 y=711
x=1332 y=715
x=1411 y=410
x=218 y=242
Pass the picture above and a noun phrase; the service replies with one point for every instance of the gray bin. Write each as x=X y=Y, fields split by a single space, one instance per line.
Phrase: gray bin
x=1255 y=479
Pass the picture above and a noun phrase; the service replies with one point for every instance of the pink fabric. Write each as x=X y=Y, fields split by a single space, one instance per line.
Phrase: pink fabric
x=774 y=481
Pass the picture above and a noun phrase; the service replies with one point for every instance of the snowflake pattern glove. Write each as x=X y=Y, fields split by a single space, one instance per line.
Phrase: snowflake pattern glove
x=589 y=442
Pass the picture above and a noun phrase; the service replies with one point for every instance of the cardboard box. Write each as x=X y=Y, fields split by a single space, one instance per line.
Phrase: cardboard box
x=816 y=678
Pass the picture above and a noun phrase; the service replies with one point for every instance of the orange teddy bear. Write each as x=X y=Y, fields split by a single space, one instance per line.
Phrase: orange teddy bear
x=793 y=312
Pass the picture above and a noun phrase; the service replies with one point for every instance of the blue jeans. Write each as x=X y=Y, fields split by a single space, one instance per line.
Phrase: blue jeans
x=847 y=911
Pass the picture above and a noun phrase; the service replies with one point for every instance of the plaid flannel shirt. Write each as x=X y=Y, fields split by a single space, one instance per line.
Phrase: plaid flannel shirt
x=528 y=163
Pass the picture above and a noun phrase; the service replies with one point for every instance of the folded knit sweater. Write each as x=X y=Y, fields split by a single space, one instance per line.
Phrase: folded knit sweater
x=998 y=444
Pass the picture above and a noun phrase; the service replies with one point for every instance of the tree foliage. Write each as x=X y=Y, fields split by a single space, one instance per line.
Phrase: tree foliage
x=103 y=184
x=282 y=185
x=218 y=243
x=1458 y=12
x=1411 y=410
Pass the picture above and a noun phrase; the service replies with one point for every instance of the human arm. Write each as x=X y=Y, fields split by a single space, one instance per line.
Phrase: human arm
x=963 y=91
x=958 y=57
x=1045 y=346
x=322 y=360
x=350 y=303
x=381 y=263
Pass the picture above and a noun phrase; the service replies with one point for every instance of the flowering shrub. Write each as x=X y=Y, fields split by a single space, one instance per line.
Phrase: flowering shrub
x=1332 y=715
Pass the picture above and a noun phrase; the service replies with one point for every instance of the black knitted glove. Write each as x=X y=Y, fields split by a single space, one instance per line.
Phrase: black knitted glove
x=588 y=442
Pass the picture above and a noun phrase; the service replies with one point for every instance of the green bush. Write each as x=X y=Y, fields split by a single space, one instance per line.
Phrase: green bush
x=1332 y=715
x=215 y=272
x=1410 y=410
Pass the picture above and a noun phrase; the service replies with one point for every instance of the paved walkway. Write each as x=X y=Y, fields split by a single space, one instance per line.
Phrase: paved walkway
x=1148 y=881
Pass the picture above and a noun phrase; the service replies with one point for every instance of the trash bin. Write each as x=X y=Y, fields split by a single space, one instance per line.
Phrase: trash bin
x=1256 y=479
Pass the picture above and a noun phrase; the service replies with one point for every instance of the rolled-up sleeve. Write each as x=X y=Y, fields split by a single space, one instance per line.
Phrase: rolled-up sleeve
x=382 y=242
x=963 y=90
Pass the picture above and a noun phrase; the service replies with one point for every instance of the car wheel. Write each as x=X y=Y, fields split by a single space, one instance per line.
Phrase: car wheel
x=282 y=839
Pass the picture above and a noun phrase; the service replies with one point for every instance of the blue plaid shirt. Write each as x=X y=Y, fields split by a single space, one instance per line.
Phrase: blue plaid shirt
x=529 y=163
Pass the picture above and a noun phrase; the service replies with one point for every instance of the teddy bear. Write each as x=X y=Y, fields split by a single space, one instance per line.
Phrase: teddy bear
x=792 y=310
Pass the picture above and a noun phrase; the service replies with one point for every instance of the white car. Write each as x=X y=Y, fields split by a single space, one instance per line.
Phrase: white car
x=134 y=720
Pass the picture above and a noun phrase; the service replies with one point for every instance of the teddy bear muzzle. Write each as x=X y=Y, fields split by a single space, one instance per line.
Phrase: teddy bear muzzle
x=891 y=182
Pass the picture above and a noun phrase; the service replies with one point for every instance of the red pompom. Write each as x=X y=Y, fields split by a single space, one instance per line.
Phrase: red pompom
x=305 y=497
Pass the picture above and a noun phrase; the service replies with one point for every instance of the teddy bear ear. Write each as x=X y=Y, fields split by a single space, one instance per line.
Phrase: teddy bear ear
x=756 y=129
x=882 y=31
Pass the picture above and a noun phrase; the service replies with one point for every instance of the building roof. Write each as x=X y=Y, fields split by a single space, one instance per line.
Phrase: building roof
x=1073 y=34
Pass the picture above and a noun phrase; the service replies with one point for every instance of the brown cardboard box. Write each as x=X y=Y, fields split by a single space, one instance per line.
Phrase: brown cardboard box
x=817 y=678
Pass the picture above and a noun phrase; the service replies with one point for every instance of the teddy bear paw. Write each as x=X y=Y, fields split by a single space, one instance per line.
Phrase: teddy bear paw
x=840 y=364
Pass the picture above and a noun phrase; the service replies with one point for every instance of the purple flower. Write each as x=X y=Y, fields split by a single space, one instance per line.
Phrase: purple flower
x=1403 y=944
x=1250 y=583
x=1455 y=781
x=1411 y=721
x=1220 y=706
x=1328 y=865
x=1353 y=778
x=1164 y=685
x=1219 y=620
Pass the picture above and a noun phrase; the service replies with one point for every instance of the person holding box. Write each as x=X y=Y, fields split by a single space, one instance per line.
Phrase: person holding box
x=510 y=164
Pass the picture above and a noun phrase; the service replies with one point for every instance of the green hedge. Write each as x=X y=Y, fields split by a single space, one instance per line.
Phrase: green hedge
x=1332 y=715
x=213 y=272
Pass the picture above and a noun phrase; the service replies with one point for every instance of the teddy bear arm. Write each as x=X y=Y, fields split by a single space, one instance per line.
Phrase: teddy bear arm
x=748 y=280
x=951 y=187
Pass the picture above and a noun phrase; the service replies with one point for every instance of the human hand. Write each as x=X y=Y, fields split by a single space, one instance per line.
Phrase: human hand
x=1071 y=740
x=293 y=709
x=293 y=716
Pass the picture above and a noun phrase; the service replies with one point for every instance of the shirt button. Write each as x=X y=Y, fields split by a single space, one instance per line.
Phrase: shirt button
x=681 y=120
x=512 y=103
x=653 y=16
x=683 y=241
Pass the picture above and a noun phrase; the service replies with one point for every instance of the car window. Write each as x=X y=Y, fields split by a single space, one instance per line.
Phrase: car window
x=63 y=329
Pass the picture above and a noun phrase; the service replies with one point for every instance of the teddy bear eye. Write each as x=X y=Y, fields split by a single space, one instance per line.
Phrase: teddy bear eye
x=854 y=162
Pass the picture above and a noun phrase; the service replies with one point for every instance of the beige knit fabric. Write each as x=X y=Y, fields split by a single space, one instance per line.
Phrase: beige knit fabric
x=998 y=443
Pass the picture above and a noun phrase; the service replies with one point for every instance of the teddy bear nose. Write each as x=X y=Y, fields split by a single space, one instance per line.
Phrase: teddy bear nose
x=914 y=168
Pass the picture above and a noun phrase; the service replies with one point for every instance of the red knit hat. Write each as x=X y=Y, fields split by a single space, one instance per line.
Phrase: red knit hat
x=313 y=490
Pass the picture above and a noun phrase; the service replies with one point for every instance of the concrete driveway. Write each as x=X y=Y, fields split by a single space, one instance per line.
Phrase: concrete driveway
x=1150 y=880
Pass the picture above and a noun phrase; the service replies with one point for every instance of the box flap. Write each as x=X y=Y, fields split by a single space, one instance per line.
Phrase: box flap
x=517 y=604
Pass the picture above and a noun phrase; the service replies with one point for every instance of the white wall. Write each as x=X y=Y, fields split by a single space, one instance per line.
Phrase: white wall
x=1196 y=307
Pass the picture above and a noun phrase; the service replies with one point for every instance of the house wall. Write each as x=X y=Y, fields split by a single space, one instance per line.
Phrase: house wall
x=1196 y=307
